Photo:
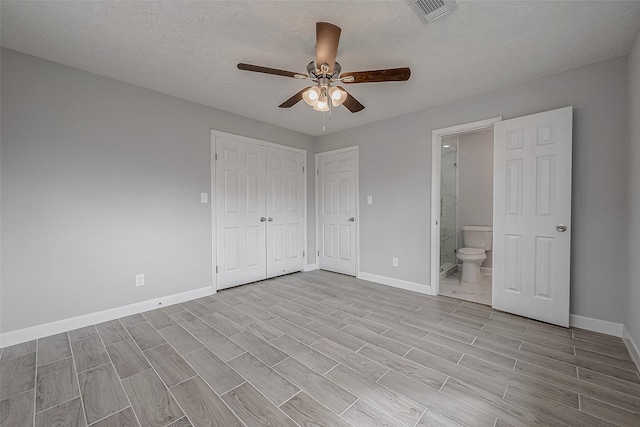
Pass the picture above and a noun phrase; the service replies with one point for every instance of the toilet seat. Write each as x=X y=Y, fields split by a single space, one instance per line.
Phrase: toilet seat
x=471 y=251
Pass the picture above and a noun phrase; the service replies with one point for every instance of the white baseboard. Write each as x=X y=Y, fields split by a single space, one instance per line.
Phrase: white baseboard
x=631 y=346
x=486 y=270
x=396 y=283
x=310 y=267
x=44 y=330
x=596 y=325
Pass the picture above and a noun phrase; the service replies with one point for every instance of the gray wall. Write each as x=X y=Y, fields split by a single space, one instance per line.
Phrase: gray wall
x=633 y=266
x=475 y=175
x=101 y=180
x=395 y=166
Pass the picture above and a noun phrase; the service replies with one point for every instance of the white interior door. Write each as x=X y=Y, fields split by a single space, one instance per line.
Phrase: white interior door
x=240 y=212
x=532 y=215
x=336 y=191
x=285 y=211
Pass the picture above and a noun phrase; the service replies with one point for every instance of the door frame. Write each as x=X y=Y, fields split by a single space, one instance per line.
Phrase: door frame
x=355 y=148
x=212 y=198
x=436 y=141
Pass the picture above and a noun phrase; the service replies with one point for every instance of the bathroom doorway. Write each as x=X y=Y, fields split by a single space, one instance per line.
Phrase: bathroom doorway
x=464 y=200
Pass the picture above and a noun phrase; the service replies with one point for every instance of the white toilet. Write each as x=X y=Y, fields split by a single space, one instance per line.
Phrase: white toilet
x=476 y=240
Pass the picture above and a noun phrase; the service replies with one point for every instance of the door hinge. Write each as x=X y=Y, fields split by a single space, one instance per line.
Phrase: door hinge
x=216 y=269
x=318 y=253
x=302 y=254
x=216 y=156
x=303 y=169
x=317 y=171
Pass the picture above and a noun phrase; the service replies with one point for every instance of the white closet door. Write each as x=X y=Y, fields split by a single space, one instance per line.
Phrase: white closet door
x=240 y=204
x=337 y=211
x=532 y=216
x=285 y=211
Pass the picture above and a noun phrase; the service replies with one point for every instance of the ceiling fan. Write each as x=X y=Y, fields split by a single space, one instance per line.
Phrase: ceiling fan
x=325 y=72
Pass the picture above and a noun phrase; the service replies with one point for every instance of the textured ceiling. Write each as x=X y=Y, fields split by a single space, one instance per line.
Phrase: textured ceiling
x=190 y=49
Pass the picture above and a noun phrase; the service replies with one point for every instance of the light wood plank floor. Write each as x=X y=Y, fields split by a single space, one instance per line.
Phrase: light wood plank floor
x=320 y=349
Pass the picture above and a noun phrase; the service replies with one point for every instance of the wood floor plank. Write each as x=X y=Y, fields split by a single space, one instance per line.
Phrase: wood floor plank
x=259 y=329
x=226 y=310
x=322 y=318
x=364 y=414
x=609 y=382
x=376 y=339
x=540 y=404
x=254 y=409
x=53 y=348
x=334 y=397
x=270 y=383
x=263 y=315
x=609 y=412
x=480 y=353
x=124 y=418
x=607 y=360
x=295 y=331
x=345 y=340
x=203 y=406
x=196 y=308
x=361 y=322
x=181 y=340
x=305 y=354
x=17 y=375
x=434 y=419
x=169 y=365
x=68 y=414
x=222 y=346
x=158 y=318
x=309 y=413
x=171 y=309
x=409 y=368
x=132 y=320
x=82 y=333
x=145 y=335
x=398 y=326
x=127 y=358
x=220 y=377
x=223 y=324
x=492 y=385
x=151 y=400
x=102 y=393
x=387 y=400
x=112 y=332
x=18 y=350
x=89 y=353
x=56 y=383
x=259 y=348
x=353 y=360
x=418 y=392
x=190 y=322
x=17 y=411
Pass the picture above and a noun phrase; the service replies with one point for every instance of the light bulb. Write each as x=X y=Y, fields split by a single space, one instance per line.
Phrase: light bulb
x=323 y=102
x=311 y=95
x=337 y=95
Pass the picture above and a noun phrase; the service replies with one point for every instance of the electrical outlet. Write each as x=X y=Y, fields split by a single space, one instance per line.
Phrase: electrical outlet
x=204 y=197
x=369 y=200
x=139 y=279
x=394 y=262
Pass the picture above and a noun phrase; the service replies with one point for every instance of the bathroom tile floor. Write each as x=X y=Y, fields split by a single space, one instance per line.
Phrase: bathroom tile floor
x=451 y=286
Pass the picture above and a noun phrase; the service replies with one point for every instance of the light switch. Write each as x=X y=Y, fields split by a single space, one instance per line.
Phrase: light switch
x=204 y=197
x=369 y=200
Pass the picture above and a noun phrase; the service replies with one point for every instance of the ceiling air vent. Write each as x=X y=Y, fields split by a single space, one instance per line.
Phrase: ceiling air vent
x=431 y=10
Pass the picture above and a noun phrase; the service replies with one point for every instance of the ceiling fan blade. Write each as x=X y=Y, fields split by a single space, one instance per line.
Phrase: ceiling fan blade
x=266 y=70
x=293 y=100
x=351 y=103
x=327 y=39
x=389 y=75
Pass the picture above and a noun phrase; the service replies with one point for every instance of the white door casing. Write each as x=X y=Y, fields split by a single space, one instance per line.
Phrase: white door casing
x=532 y=205
x=240 y=212
x=284 y=211
x=337 y=210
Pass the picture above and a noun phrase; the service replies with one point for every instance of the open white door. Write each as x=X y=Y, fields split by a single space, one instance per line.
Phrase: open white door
x=285 y=211
x=240 y=201
x=336 y=196
x=532 y=215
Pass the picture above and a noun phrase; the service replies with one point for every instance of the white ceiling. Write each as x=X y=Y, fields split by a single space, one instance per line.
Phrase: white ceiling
x=190 y=49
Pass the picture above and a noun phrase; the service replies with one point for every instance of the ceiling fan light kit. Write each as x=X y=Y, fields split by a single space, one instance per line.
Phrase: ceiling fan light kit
x=325 y=72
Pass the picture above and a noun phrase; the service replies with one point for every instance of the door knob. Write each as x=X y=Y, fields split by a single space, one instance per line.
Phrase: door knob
x=270 y=219
x=263 y=219
x=561 y=228
x=352 y=219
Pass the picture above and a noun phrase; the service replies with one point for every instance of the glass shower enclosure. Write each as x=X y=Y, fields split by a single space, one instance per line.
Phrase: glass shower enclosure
x=448 y=206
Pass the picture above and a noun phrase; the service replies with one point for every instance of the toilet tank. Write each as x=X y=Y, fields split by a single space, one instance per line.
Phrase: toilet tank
x=477 y=237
